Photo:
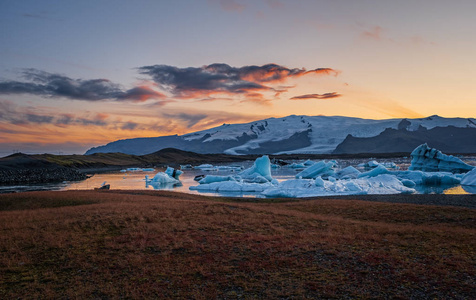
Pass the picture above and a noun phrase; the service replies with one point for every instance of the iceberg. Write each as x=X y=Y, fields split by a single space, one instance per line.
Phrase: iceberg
x=162 y=178
x=429 y=159
x=308 y=163
x=298 y=188
x=215 y=178
x=169 y=177
x=173 y=172
x=296 y=166
x=232 y=186
x=379 y=170
x=261 y=167
x=205 y=167
x=469 y=178
x=428 y=178
x=347 y=173
x=322 y=168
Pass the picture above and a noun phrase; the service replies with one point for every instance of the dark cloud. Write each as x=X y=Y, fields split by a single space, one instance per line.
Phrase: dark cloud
x=317 y=96
x=17 y=115
x=54 y=85
x=39 y=119
x=129 y=126
x=194 y=82
x=189 y=119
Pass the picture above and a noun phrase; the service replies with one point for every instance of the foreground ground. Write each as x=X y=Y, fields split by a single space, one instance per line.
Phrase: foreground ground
x=143 y=244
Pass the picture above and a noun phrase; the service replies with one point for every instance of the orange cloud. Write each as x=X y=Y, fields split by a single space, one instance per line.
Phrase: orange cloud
x=317 y=96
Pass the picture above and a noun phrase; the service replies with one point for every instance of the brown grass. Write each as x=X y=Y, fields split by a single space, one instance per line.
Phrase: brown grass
x=145 y=244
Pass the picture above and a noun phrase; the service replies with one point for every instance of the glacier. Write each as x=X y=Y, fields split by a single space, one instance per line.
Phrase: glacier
x=291 y=134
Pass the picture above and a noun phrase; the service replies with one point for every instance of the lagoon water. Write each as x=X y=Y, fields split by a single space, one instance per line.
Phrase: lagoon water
x=135 y=180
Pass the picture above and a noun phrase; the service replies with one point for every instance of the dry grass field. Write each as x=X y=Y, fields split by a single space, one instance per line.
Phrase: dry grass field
x=148 y=244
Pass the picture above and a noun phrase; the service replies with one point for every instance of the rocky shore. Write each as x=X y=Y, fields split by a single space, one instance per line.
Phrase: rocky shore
x=19 y=176
x=24 y=169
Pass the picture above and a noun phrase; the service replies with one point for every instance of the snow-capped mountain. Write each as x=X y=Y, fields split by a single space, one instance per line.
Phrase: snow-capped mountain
x=291 y=134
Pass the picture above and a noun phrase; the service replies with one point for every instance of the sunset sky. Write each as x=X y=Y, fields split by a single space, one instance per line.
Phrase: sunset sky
x=77 y=74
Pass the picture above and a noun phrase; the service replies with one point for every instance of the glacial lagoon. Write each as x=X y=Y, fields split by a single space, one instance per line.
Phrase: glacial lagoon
x=135 y=180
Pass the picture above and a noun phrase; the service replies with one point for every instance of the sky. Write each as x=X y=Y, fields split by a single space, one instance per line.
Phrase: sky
x=78 y=74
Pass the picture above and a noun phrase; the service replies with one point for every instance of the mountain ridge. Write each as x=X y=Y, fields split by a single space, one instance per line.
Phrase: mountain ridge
x=288 y=135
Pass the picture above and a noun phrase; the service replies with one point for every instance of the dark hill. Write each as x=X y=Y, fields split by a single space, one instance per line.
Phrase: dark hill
x=23 y=168
x=446 y=139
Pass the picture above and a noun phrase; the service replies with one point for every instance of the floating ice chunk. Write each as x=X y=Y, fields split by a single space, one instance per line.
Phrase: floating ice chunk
x=173 y=172
x=232 y=186
x=373 y=164
x=133 y=169
x=205 y=167
x=216 y=178
x=322 y=168
x=428 y=178
x=469 y=178
x=228 y=168
x=347 y=173
x=390 y=165
x=296 y=166
x=408 y=183
x=432 y=160
x=163 y=178
x=319 y=181
x=275 y=166
x=148 y=170
x=296 y=188
x=261 y=167
x=370 y=164
x=380 y=169
x=257 y=179
x=308 y=163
